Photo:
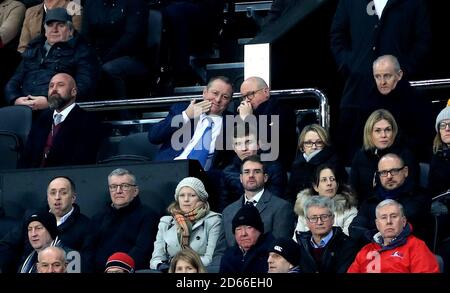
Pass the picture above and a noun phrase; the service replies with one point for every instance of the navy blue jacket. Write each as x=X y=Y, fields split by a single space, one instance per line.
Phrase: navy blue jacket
x=131 y=229
x=35 y=71
x=254 y=261
x=162 y=132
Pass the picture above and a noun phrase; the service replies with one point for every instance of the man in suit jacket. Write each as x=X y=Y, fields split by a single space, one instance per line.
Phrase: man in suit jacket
x=64 y=134
x=183 y=127
x=277 y=214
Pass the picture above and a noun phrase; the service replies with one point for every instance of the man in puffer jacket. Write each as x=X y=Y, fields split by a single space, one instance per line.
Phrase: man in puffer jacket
x=393 y=248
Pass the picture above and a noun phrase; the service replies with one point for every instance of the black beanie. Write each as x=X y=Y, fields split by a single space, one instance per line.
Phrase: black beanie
x=248 y=215
x=287 y=248
x=47 y=219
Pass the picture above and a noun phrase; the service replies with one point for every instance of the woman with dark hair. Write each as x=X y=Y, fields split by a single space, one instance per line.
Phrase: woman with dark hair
x=380 y=138
x=314 y=145
x=326 y=182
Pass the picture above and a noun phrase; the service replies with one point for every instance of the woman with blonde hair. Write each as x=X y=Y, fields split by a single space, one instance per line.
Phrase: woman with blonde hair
x=187 y=261
x=190 y=224
x=380 y=138
x=315 y=149
x=326 y=182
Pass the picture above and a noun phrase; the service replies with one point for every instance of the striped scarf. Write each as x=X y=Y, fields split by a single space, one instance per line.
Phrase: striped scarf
x=186 y=220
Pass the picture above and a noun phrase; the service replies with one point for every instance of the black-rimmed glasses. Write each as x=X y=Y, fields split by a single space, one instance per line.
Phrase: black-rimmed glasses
x=393 y=172
x=251 y=95
x=123 y=186
x=323 y=218
x=443 y=125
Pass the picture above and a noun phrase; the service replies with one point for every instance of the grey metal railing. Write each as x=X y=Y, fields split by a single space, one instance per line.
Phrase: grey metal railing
x=322 y=110
x=431 y=83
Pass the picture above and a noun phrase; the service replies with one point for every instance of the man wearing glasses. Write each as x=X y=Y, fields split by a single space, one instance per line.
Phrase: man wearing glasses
x=392 y=182
x=324 y=248
x=126 y=225
x=274 y=120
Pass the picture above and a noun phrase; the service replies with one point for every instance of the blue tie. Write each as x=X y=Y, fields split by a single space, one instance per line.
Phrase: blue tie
x=200 y=152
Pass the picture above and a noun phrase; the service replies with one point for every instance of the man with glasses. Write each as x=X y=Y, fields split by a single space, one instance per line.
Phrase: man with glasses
x=324 y=248
x=273 y=119
x=393 y=249
x=392 y=182
x=125 y=225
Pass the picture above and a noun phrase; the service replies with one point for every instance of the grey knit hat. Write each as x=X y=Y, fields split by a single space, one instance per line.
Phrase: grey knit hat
x=443 y=115
x=195 y=184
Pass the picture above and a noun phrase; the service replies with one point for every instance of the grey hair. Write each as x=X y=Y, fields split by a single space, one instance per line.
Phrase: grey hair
x=389 y=202
x=390 y=58
x=68 y=23
x=122 y=172
x=57 y=248
x=320 y=202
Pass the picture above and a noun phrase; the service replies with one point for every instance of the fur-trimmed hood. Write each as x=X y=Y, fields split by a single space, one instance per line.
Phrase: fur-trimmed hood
x=342 y=202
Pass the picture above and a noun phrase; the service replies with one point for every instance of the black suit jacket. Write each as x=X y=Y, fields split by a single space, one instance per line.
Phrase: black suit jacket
x=76 y=142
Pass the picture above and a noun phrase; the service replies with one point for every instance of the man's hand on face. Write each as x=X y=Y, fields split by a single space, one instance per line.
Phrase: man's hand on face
x=34 y=102
x=194 y=109
x=245 y=109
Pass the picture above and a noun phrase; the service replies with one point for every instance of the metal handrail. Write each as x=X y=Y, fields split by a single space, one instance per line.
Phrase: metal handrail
x=322 y=112
x=432 y=83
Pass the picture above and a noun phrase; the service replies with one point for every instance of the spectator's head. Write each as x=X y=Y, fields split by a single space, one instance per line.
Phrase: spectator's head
x=380 y=130
x=42 y=229
x=58 y=25
x=187 y=261
x=190 y=193
x=61 y=195
x=52 y=260
x=312 y=138
x=392 y=171
x=253 y=174
x=119 y=262
x=325 y=181
x=390 y=219
x=283 y=255
x=387 y=73
x=247 y=227
x=319 y=212
x=122 y=187
x=219 y=92
x=255 y=91
x=443 y=129
x=245 y=142
x=62 y=91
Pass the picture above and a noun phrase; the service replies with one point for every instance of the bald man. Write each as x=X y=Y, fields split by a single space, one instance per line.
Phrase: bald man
x=52 y=260
x=64 y=134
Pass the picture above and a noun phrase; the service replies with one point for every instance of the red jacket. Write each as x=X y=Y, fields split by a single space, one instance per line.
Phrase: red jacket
x=407 y=254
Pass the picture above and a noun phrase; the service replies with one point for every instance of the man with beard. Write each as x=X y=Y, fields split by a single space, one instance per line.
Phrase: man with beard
x=393 y=182
x=277 y=214
x=64 y=134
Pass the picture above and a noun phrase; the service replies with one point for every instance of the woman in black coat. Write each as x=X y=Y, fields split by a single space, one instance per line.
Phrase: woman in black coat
x=380 y=138
x=315 y=148
x=438 y=180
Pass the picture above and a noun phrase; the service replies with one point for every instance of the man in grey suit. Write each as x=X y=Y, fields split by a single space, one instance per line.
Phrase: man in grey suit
x=277 y=214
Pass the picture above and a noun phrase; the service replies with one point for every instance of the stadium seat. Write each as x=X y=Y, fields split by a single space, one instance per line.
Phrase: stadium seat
x=16 y=119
